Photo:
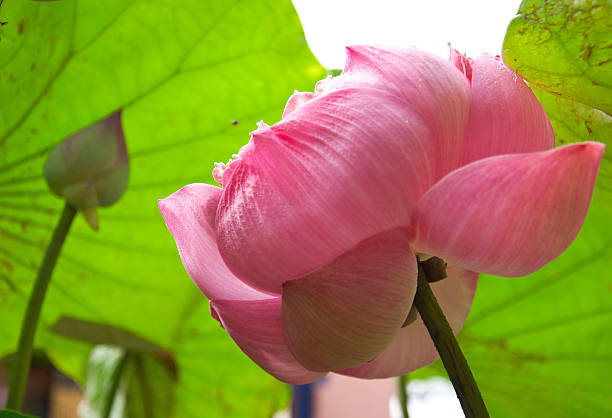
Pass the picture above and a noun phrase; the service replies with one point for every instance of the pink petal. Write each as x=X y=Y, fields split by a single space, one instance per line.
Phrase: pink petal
x=311 y=187
x=412 y=347
x=190 y=216
x=255 y=326
x=462 y=62
x=347 y=312
x=296 y=100
x=424 y=82
x=345 y=165
x=509 y=215
x=250 y=317
x=505 y=116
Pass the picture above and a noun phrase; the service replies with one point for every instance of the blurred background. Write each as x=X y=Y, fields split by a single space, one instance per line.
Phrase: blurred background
x=191 y=79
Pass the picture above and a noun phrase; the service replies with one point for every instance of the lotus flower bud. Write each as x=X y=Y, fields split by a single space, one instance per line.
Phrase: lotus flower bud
x=91 y=167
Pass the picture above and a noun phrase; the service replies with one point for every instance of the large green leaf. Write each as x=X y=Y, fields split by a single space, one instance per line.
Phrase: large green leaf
x=565 y=47
x=191 y=78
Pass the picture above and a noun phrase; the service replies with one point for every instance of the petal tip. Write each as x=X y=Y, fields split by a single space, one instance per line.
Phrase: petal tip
x=162 y=205
x=588 y=150
x=356 y=54
x=165 y=208
x=462 y=62
x=297 y=99
x=596 y=148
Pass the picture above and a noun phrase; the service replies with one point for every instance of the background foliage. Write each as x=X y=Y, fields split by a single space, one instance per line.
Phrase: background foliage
x=182 y=72
x=192 y=78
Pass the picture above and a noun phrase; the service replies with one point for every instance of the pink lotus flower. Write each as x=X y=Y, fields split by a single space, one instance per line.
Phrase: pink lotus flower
x=307 y=252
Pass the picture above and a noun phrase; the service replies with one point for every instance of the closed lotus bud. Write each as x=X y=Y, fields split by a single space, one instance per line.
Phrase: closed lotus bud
x=91 y=167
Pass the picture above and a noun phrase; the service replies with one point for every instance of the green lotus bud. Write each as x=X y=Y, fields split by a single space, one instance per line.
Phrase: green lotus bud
x=91 y=167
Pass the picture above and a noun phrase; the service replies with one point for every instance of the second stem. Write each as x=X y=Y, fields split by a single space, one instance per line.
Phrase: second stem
x=21 y=364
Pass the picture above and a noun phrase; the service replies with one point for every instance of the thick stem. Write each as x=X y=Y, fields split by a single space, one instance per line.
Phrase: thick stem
x=21 y=364
x=402 y=381
x=450 y=353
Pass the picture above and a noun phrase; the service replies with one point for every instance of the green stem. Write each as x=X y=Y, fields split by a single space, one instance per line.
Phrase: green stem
x=450 y=353
x=402 y=381
x=21 y=364
x=145 y=389
x=114 y=386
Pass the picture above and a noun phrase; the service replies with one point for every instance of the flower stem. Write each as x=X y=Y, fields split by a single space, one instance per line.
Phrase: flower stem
x=21 y=364
x=450 y=353
x=403 y=395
